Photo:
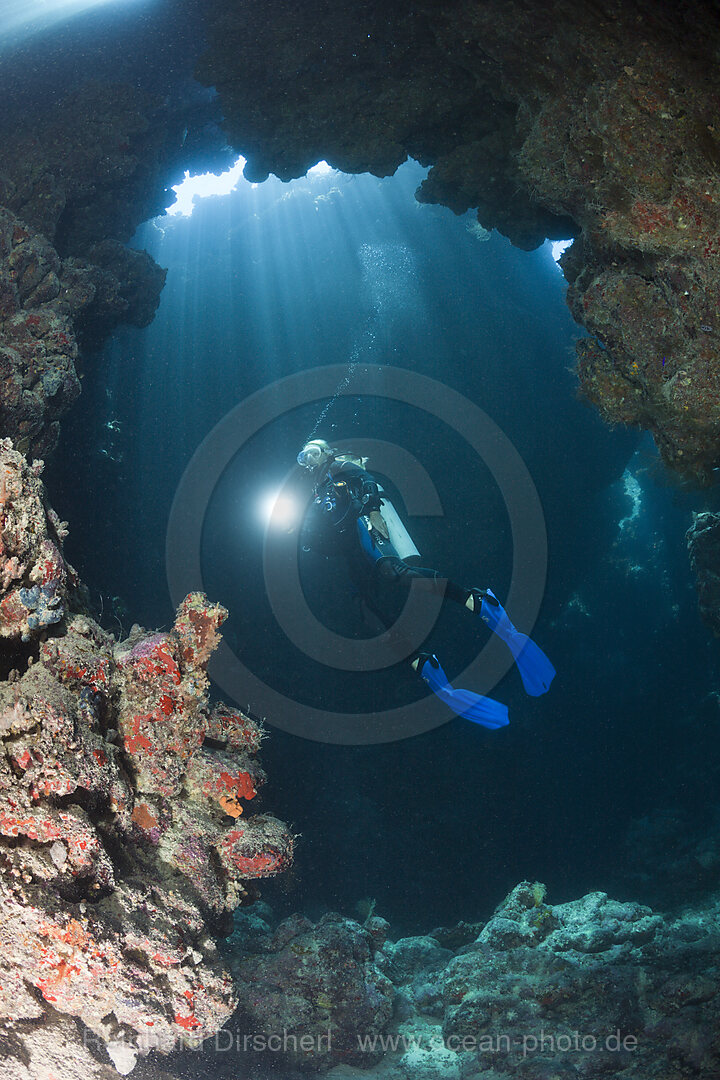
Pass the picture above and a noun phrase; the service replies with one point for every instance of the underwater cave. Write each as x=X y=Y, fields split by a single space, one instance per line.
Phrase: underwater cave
x=476 y=243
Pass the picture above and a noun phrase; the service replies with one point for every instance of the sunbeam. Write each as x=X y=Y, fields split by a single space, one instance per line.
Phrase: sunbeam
x=20 y=18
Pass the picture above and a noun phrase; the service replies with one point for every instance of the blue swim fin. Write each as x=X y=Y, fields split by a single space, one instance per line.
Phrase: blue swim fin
x=535 y=669
x=481 y=710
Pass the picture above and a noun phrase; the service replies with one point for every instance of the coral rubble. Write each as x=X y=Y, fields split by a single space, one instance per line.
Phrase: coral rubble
x=617 y=976
x=552 y=119
x=124 y=836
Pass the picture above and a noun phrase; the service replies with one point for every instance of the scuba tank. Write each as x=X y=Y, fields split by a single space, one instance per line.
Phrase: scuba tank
x=389 y=533
x=398 y=535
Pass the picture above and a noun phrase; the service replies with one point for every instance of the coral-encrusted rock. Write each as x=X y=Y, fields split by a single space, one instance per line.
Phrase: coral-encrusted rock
x=53 y=1051
x=163 y=719
x=703 y=541
x=72 y=189
x=34 y=578
x=39 y=295
x=120 y=835
x=595 y=924
x=317 y=981
x=95 y=164
x=653 y=360
x=44 y=300
x=127 y=285
x=138 y=969
x=610 y=971
x=161 y=715
x=523 y=918
x=410 y=955
x=592 y=988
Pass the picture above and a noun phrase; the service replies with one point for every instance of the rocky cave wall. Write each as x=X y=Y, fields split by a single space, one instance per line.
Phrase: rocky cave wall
x=127 y=831
x=553 y=119
x=75 y=182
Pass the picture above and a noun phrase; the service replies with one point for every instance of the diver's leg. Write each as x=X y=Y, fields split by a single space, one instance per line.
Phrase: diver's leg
x=481 y=710
x=381 y=607
x=535 y=669
x=476 y=597
x=393 y=570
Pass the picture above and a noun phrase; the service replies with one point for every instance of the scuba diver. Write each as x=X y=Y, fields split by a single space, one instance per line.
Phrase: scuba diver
x=351 y=515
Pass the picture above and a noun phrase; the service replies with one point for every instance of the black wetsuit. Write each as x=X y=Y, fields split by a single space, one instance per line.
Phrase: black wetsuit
x=344 y=493
x=336 y=524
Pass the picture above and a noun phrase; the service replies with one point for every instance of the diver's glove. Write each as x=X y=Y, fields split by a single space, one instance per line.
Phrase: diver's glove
x=481 y=710
x=370 y=497
x=535 y=669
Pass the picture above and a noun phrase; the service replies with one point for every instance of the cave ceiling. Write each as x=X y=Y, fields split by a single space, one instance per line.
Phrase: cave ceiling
x=558 y=119
x=551 y=120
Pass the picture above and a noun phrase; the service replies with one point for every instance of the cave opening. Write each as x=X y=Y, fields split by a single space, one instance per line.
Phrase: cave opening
x=152 y=837
x=275 y=278
x=558 y=247
x=203 y=186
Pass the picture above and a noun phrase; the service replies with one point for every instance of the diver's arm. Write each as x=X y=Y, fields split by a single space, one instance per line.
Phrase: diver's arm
x=358 y=486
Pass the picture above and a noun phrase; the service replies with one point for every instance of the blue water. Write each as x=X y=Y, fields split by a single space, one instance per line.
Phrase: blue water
x=278 y=279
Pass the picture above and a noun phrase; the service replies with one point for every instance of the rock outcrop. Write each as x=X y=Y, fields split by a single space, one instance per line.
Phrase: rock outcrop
x=312 y=993
x=74 y=185
x=35 y=580
x=588 y=988
x=125 y=836
x=703 y=541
